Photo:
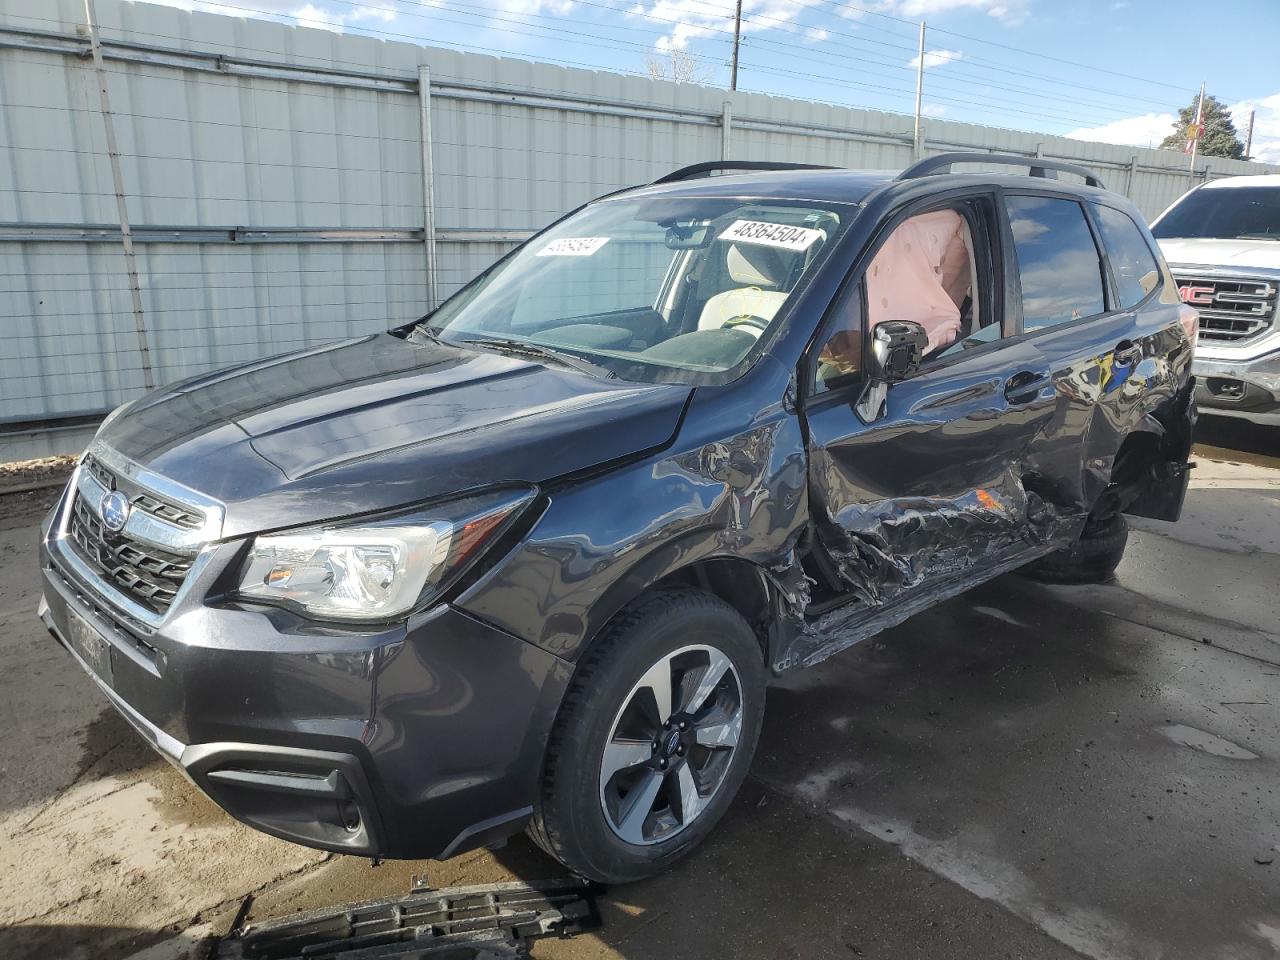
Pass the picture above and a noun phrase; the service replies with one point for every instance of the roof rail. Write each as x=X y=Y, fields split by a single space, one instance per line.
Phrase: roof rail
x=1039 y=166
x=717 y=166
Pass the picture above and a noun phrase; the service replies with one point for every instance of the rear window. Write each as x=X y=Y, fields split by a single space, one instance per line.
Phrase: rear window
x=1224 y=213
x=1058 y=263
x=1132 y=263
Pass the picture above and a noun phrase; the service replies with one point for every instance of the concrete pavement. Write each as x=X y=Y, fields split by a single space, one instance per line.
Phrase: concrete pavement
x=1025 y=771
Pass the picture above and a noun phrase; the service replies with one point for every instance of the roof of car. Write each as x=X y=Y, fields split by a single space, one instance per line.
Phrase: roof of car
x=839 y=185
x=834 y=185
x=1253 y=180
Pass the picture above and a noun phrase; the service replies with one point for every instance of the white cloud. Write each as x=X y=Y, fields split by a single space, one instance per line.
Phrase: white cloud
x=1266 y=126
x=692 y=19
x=933 y=110
x=1151 y=128
x=936 y=58
x=558 y=7
x=1010 y=12
x=1144 y=131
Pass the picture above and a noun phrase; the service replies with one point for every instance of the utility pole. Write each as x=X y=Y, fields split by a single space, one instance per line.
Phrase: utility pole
x=1248 y=140
x=1195 y=128
x=917 y=141
x=737 y=41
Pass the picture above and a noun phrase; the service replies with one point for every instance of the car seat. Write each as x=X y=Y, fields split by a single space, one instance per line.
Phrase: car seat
x=750 y=308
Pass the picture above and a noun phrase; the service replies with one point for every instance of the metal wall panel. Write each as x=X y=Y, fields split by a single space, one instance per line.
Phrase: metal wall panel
x=515 y=144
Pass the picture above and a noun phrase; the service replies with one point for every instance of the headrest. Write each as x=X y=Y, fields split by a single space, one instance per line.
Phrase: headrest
x=758 y=265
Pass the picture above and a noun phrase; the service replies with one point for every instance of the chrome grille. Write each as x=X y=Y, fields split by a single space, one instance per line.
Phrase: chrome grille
x=1232 y=309
x=145 y=573
x=168 y=511
x=148 y=503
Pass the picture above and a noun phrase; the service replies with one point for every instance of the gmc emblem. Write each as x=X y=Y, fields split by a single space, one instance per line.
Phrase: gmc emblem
x=1196 y=296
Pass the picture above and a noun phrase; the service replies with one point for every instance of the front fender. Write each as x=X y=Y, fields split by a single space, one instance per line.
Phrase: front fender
x=604 y=540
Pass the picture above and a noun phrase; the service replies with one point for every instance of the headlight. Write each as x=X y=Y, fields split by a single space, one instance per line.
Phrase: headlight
x=378 y=569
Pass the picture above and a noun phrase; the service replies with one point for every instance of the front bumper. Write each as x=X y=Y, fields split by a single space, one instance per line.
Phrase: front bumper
x=1247 y=389
x=413 y=740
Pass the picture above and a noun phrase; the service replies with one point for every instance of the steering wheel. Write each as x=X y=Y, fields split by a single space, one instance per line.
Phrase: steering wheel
x=760 y=324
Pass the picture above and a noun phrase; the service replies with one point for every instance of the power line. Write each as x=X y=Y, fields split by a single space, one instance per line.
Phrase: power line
x=593 y=39
x=788 y=25
x=1072 y=63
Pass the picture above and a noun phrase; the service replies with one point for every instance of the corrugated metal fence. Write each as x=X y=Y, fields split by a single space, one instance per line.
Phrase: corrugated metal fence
x=286 y=186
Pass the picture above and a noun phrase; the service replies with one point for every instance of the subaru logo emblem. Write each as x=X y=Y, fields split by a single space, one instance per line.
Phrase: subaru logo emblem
x=114 y=507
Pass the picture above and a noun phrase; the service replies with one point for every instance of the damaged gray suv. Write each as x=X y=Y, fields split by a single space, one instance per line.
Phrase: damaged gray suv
x=529 y=562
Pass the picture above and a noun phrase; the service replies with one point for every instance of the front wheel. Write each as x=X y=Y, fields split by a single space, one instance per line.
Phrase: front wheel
x=654 y=738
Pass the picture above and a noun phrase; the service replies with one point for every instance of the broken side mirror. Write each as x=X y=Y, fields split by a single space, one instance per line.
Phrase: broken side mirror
x=896 y=349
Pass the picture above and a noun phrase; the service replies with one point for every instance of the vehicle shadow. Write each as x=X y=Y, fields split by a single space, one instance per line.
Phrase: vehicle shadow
x=1217 y=435
x=94 y=942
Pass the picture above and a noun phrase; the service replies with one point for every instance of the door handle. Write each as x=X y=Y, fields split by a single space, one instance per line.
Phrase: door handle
x=1127 y=351
x=1025 y=385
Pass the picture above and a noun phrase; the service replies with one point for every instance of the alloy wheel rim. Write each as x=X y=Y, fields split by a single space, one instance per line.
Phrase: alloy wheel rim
x=670 y=745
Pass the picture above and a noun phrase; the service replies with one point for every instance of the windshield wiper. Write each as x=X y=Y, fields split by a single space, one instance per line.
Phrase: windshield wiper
x=1258 y=236
x=528 y=348
x=421 y=329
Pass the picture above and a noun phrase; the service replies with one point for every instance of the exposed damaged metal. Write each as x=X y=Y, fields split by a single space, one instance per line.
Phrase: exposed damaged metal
x=489 y=922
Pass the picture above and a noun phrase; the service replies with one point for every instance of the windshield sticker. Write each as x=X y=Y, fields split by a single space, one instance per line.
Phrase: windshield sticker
x=573 y=247
x=771 y=234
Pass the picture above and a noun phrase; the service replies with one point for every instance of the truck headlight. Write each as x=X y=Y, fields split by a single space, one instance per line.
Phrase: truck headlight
x=377 y=569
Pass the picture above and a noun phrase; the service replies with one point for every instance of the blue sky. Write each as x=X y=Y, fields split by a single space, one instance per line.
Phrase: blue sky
x=1112 y=70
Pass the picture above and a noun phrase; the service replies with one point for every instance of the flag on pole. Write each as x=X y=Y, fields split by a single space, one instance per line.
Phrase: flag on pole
x=1194 y=133
x=1196 y=130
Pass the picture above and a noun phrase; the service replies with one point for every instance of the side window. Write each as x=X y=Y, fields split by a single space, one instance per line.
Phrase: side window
x=927 y=271
x=840 y=356
x=1058 y=262
x=1134 y=266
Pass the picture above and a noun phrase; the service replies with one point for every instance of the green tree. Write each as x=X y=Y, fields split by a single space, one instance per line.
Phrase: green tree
x=1220 y=138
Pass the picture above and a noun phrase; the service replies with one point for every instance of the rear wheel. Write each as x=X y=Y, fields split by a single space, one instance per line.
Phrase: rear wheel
x=654 y=738
x=1093 y=557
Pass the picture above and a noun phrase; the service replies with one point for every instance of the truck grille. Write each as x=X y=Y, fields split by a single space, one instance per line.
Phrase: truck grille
x=1232 y=310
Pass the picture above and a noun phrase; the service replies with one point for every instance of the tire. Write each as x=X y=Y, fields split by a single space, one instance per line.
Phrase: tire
x=1093 y=558
x=582 y=814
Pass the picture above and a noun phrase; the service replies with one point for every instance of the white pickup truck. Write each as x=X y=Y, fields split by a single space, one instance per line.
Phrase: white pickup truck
x=1222 y=243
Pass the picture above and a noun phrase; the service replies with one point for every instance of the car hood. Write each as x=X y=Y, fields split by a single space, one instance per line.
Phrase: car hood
x=379 y=422
x=1263 y=254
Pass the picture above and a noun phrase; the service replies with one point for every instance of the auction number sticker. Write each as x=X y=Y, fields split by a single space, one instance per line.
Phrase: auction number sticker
x=771 y=234
x=573 y=247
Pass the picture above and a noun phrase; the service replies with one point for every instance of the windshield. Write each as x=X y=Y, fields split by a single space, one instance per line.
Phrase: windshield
x=647 y=289
x=1224 y=213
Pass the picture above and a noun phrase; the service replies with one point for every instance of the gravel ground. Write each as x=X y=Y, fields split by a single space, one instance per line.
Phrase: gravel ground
x=18 y=475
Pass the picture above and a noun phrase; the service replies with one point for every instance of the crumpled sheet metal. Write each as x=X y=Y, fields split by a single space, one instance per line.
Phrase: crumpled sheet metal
x=794 y=586
x=886 y=546
x=742 y=497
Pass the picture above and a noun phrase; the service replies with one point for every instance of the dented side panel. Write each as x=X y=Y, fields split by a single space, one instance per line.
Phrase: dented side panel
x=963 y=478
x=1111 y=376
x=936 y=486
x=733 y=486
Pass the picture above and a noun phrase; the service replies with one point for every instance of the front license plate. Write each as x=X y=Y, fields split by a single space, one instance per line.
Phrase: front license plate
x=91 y=645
